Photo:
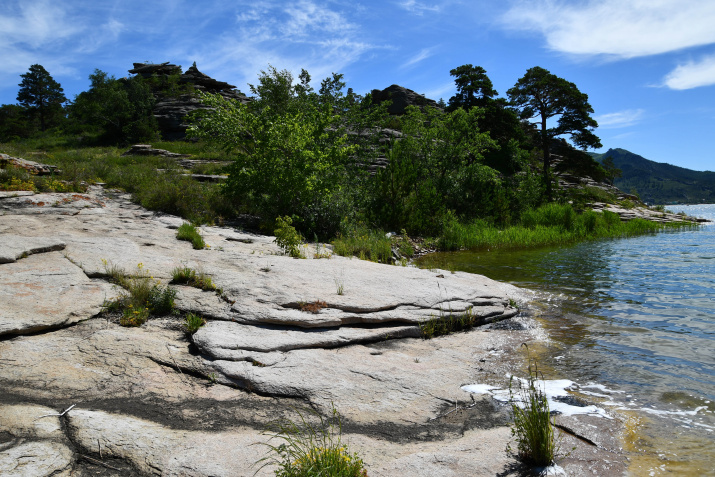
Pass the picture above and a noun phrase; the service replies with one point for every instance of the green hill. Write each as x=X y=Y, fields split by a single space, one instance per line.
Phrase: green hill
x=660 y=183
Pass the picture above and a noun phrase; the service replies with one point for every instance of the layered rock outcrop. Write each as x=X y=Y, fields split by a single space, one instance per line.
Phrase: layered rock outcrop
x=154 y=400
x=171 y=110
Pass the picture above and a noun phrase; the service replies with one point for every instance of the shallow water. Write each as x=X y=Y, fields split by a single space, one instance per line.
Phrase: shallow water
x=636 y=316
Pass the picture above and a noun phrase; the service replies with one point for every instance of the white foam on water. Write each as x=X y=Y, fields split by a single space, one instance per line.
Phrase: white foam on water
x=552 y=389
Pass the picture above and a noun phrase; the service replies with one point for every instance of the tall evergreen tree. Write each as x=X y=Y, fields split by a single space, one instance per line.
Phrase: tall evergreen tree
x=543 y=95
x=41 y=94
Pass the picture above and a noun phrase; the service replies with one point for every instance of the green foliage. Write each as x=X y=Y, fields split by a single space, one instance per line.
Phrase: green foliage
x=15 y=123
x=143 y=296
x=551 y=224
x=193 y=322
x=433 y=168
x=190 y=233
x=311 y=450
x=448 y=323
x=612 y=172
x=288 y=238
x=367 y=244
x=474 y=88
x=192 y=278
x=532 y=428
x=41 y=95
x=119 y=109
x=542 y=95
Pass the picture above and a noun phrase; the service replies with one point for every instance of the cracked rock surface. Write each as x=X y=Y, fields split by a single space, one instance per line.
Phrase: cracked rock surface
x=155 y=400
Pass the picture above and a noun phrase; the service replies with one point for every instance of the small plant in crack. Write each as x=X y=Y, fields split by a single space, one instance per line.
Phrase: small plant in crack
x=192 y=278
x=142 y=296
x=311 y=447
x=193 y=322
x=313 y=307
x=190 y=233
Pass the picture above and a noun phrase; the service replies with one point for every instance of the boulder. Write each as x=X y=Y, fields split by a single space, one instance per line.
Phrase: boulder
x=401 y=97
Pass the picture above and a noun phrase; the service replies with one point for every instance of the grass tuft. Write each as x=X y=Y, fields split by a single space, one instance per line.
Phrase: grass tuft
x=311 y=449
x=193 y=322
x=189 y=276
x=143 y=295
x=533 y=428
x=190 y=233
x=448 y=323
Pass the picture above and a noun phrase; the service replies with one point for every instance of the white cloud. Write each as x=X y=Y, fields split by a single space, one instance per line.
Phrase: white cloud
x=440 y=91
x=617 y=28
x=620 y=119
x=422 y=55
x=692 y=74
x=418 y=8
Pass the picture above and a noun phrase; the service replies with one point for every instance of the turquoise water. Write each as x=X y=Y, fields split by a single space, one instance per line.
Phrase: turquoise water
x=634 y=315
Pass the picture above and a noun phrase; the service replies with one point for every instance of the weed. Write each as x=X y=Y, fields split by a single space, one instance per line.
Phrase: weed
x=192 y=278
x=288 y=238
x=340 y=284
x=311 y=450
x=448 y=323
x=533 y=428
x=143 y=295
x=313 y=307
x=191 y=234
x=193 y=322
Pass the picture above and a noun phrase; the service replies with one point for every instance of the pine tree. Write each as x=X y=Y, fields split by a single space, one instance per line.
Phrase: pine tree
x=41 y=94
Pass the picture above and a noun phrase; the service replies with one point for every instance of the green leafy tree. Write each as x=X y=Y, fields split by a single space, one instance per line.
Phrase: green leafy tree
x=290 y=152
x=542 y=95
x=436 y=166
x=41 y=95
x=120 y=108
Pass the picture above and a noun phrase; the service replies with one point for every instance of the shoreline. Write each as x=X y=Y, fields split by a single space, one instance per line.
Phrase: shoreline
x=153 y=397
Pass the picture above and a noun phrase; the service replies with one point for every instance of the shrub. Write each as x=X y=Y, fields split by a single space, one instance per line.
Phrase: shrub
x=191 y=234
x=287 y=237
x=532 y=428
x=193 y=322
x=312 y=450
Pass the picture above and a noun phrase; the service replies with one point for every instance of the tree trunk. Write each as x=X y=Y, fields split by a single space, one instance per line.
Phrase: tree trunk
x=547 y=159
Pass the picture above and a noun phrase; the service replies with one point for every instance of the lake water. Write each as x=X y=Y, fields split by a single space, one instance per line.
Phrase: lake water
x=635 y=320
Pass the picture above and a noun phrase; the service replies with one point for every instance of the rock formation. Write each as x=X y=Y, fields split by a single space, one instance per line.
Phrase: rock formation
x=401 y=97
x=154 y=400
x=171 y=111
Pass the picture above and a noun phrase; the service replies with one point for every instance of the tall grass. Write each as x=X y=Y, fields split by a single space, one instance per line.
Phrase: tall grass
x=154 y=182
x=311 y=450
x=532 y=427
x=364 y=243
x=551 y=224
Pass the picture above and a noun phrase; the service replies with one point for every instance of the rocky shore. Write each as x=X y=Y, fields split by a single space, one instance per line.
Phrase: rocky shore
x=154 y=400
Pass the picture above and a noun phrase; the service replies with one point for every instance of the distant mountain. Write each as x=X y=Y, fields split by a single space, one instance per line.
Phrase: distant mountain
x=660 y=183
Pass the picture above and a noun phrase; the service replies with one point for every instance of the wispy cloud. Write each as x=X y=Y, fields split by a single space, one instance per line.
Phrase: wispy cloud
x=440 y=91
x=692 y=74
x=616 y=28
x=423 y=54
x=620 y=119
x=418 y=8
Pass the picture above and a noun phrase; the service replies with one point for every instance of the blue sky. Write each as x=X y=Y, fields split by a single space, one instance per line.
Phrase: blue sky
x=648 y=66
